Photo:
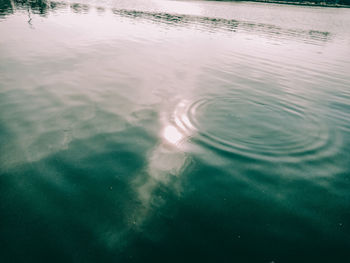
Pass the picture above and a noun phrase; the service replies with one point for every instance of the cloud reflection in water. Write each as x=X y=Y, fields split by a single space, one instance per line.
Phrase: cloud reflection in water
x=166 y=162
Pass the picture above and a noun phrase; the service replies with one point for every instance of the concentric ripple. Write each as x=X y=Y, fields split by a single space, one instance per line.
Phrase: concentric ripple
x=255 y=129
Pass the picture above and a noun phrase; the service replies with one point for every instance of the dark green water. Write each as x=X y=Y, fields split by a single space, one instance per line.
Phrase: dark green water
x=165 y=131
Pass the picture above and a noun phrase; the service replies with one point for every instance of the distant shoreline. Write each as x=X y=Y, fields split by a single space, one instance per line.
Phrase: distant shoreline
x=321 y=4
x=306 y=3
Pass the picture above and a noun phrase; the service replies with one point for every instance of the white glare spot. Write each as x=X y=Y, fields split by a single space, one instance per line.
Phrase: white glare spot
x=172 y=135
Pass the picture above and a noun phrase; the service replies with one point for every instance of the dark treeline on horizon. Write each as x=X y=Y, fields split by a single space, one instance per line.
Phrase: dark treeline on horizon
x=309 y=2
x=305 y=2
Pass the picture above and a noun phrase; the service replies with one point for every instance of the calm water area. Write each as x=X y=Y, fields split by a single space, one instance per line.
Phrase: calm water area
x=174 y=131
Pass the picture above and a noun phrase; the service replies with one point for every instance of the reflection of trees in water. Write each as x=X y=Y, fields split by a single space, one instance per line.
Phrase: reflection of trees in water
x=43 y=7
x=100 y=9
x=5 y=7
x=220 y=24
x=79 y=8
x=40 y=7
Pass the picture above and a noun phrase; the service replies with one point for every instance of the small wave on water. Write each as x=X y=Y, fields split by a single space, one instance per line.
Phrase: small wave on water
x=254 y=129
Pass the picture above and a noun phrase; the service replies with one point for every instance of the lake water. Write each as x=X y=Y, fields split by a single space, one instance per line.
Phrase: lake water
x=174 y=131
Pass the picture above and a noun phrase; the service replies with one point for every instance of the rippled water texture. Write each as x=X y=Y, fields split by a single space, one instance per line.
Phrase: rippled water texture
x=174 y=131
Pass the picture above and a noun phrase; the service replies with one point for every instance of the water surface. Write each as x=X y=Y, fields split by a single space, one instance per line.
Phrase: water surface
x=174 y=131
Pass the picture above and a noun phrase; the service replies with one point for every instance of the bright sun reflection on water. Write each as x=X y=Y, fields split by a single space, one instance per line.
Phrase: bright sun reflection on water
x=172 y=134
